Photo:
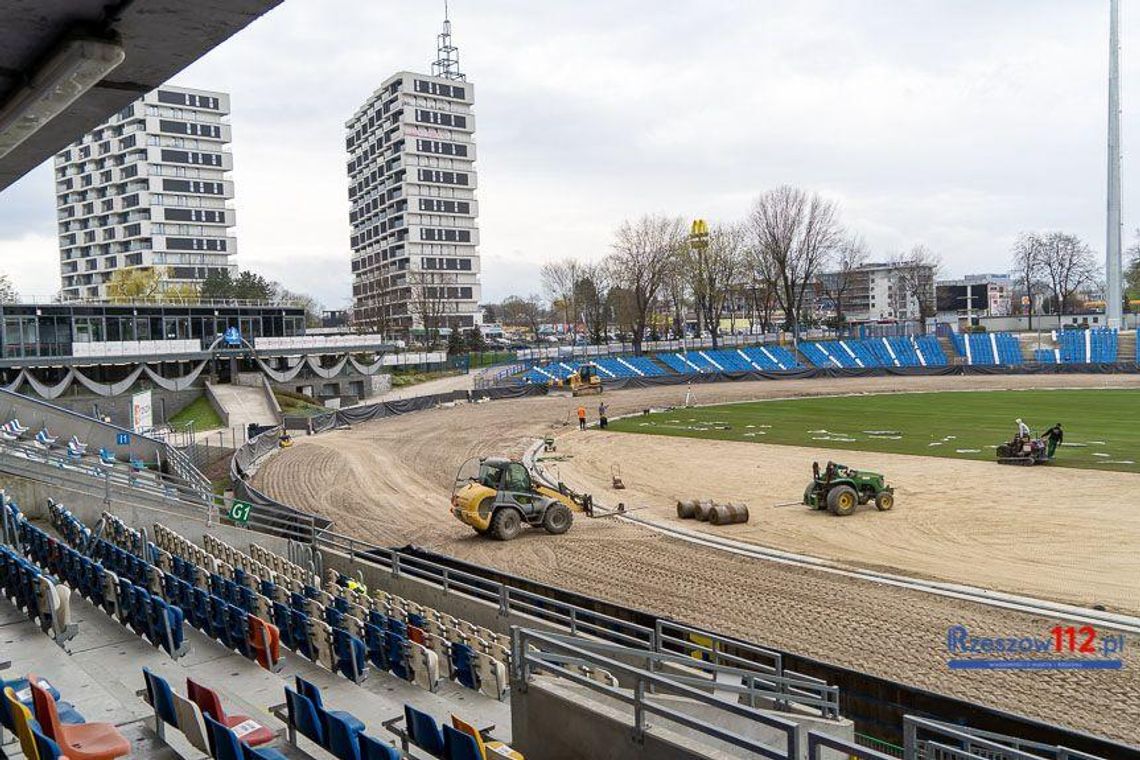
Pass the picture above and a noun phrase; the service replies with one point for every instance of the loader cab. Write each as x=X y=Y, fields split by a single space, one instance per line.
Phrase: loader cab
x=504 y=475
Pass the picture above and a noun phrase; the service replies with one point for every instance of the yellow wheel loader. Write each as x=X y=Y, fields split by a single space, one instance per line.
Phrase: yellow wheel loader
x=496 y=497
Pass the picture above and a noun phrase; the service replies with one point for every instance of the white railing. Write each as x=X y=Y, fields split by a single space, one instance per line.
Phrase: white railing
x=321 y=341
x=135 y=347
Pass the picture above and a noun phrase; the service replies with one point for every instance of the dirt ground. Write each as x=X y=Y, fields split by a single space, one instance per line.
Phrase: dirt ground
x=388 y=482
x=1059 y=534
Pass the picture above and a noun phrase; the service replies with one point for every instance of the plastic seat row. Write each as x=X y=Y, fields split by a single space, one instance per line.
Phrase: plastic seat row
x=338 y=732
x=127 y=586
x=40 y=596
x=44 y=733
x=115 y=581
x=282 y=566
x=460 y=740
x=1095 y=345
x=199 y=715
x=295 y=619
x=772 y=357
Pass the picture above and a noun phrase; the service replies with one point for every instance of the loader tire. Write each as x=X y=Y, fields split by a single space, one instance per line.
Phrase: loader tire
x=557 y=519
x=506 y=524
x=842 y=501
x=884 y=501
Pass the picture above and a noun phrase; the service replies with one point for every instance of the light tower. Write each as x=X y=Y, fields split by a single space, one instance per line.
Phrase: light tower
x=1113 y=295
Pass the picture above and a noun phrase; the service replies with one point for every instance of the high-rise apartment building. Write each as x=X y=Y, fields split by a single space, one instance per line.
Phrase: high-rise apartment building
x=147 y=188
x=412 y=180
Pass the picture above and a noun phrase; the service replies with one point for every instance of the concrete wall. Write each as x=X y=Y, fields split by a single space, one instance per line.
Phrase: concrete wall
x=557 y=720
x=118 y=408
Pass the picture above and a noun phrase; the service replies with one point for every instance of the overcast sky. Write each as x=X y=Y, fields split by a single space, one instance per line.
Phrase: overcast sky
x=952 y=123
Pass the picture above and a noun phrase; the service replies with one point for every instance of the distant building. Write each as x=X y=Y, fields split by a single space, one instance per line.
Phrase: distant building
x=412 y=180
x=974 y=296
x=147 y=188
x=873 y=292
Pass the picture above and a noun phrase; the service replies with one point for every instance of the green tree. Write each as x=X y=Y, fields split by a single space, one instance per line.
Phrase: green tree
x=455 y=345
x=475 y=341
x=218 y=285
x=250 y=286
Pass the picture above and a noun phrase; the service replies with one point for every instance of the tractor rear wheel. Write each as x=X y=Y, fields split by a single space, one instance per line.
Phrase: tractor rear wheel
x=807 y=496
x=842 y=501
x=884 y=501
x=505 y=524
x=557 y=519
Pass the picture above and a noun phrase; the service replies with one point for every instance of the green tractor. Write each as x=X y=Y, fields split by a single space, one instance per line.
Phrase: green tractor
x=839 y=489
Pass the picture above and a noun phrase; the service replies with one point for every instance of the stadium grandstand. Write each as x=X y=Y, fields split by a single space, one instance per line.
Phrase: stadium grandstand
x=152 y=610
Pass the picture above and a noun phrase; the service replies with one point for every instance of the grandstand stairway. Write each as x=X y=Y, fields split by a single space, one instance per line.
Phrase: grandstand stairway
x=952 y=355
x=1126 y=349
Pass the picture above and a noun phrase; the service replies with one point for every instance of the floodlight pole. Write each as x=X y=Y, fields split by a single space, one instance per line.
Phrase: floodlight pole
x=1113 y=295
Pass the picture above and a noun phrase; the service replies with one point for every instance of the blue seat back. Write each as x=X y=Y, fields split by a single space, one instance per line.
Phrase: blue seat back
x=423 y=731
x=224 y=744
x=463 y=665
x=303 y=716
x=341 y=738
x=374 y=749
x=47 y=749
x=459 y=746
x=161 y=697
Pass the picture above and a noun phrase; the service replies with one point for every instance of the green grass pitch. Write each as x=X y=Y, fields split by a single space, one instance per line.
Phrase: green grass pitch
x=1102 y=427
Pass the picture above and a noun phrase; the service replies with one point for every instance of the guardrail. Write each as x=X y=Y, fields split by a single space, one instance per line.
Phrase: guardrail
x=533 y=651
x=925 y=739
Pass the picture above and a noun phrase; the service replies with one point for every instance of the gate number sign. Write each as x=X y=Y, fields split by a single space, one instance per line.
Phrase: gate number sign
x=239 y=511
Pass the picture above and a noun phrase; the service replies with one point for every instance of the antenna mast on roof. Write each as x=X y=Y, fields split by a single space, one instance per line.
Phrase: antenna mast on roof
x=446 y=63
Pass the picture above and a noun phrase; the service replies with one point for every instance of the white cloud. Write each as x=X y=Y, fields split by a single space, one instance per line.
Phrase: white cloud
x=955 y=123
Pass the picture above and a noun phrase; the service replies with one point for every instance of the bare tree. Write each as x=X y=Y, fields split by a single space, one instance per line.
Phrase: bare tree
x=522 y=312
x=8 y=292
x=642 y=254
x=429 y=301
x=592 y=295
x=1028 y=259
x=1132 y=272
x=914 y=276
x=792 y=234
x=1068 y=264
x=558 y=280
x=713 y=270
x=848 y=256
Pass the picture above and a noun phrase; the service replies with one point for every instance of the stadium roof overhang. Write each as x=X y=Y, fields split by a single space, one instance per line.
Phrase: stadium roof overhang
x=67 y=65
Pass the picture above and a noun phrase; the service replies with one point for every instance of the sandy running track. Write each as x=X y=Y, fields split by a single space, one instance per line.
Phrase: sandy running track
x=388 y=481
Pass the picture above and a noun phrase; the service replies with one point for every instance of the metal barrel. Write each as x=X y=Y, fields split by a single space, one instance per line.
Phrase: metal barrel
x=687 y=510
x=728 y=514
x=703 y=508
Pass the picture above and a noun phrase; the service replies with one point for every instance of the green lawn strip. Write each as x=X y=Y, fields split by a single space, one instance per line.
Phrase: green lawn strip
x=1102 y=427
x=200 y=412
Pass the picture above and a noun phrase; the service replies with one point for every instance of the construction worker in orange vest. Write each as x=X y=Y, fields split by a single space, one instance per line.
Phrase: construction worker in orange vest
x=581 y=417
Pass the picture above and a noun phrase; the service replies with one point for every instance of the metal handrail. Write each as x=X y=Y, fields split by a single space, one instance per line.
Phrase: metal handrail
x=748 y=683
x=647 y=684
x=973 y=742
x=817 y=742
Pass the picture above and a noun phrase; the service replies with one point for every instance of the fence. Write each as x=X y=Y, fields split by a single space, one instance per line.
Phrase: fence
x=925 y=739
